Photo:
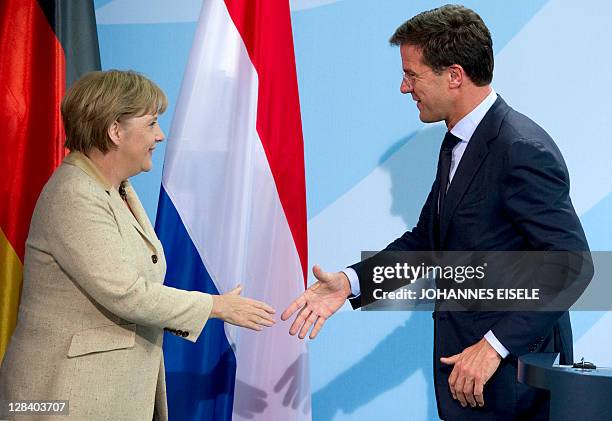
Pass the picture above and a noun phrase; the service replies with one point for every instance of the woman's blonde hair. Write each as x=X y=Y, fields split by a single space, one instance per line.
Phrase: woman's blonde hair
x=98 y=99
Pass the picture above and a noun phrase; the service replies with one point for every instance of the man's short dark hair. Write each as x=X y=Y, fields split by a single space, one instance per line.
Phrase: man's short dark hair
x=451 y=34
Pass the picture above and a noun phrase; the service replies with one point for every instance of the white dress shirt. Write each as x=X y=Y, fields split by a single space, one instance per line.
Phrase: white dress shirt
x=464 y=129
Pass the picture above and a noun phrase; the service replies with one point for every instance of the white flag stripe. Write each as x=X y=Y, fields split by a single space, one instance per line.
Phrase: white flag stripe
x=218 y=177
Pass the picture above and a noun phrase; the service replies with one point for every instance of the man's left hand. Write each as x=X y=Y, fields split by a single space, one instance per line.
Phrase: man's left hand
x=472 y=369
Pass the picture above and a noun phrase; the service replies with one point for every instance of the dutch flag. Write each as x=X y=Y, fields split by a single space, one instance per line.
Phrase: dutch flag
x=232 y=209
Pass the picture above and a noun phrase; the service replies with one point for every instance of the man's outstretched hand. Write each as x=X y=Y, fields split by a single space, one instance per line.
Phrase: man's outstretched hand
x=318 y=302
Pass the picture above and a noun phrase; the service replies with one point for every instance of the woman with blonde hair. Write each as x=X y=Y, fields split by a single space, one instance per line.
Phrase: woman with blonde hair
x=93 y=307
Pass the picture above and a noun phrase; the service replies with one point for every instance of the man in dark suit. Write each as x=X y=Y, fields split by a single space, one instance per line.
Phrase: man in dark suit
x=501 y=185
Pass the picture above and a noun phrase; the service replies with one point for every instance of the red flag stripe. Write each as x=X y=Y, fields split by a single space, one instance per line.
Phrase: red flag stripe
x=32 y=82
x=279 y=126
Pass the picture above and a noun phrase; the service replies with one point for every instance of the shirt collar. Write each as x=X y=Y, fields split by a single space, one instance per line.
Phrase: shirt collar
x=466 y=127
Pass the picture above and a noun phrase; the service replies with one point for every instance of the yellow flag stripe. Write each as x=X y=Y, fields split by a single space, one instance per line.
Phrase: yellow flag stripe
x=11 y=276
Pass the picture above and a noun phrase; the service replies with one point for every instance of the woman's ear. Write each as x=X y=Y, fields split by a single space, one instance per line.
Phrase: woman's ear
x=114 y=133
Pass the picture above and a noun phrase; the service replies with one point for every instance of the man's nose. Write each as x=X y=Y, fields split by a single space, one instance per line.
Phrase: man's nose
x=405 y=88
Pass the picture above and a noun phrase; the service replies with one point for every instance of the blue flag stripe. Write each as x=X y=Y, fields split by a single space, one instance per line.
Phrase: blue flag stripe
x=200 y=377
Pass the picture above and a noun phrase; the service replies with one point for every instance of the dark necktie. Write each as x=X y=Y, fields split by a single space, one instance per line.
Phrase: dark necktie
x=446 y=155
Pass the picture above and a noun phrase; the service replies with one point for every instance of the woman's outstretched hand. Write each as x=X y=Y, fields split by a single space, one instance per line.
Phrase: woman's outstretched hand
x=241 y=311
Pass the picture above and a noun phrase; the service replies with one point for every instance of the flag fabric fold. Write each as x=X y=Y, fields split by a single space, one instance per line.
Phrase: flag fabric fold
x=233 y=210
x=44 y=46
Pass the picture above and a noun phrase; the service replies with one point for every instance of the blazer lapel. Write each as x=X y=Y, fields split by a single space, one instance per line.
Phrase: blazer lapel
x=139 y=218
x=470 y=163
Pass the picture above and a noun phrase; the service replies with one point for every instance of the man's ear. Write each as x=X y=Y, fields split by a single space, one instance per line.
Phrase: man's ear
x=456 y=75
x=114 y=133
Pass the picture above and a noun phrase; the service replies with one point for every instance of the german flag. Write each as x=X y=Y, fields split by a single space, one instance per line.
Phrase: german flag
x=45 y=45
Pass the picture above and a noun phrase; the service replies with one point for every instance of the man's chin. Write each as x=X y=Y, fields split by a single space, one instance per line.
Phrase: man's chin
x=428 y=119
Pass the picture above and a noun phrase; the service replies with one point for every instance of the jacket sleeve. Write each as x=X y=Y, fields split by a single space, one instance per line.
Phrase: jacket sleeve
x=416 y=239
x=536 y=199
x=85 y=240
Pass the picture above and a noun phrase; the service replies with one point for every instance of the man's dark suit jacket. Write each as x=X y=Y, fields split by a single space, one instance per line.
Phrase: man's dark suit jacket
x=510 y=192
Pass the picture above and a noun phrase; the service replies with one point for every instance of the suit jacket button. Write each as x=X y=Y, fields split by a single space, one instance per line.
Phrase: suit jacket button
x=154 y=258
x=533 y=347
x=185 y=334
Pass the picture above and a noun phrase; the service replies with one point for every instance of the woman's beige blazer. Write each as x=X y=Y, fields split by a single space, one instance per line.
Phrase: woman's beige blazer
x=93 y=306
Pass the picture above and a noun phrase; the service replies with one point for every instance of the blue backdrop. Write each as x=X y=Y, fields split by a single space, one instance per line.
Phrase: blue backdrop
x=370 y=161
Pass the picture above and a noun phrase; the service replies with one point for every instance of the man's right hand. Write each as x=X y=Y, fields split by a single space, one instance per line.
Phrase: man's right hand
x=318 y=302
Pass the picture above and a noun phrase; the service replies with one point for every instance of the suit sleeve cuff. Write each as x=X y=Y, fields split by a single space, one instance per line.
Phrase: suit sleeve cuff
x=496 y=344
x=353 y=280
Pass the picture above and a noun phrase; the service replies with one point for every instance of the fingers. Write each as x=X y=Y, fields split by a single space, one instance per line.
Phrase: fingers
x=316 y=298
x=264 y=318
x=317 y=327
x=236 y=291
x=464 y=385
x=452 y=380
x=299 y=320
x=264 y=314
x=293 y=307
x=263 y=306
x=319 y=273
x=259 y=304
x=479 y=392
x=459 y=384
x=306 y=327
x=246 y=312
x=260 y=313
x=468 y=391
x=472 y=369
x=303 y=322
x=253 y=321
x=450 y=360
x=263 y=322
x=252 y=326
